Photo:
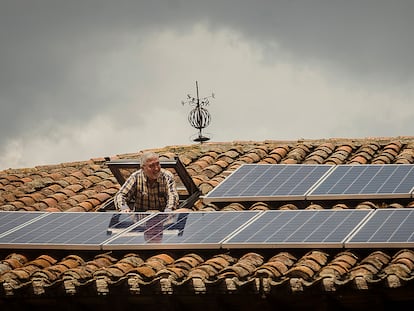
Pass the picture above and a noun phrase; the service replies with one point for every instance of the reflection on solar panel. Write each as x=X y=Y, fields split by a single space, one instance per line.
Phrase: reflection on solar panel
x=386 y=228
x=13 y=220
x=68 y=230
x=304 y=228
x=252 y=182
x=366 y=181
x=181 y=230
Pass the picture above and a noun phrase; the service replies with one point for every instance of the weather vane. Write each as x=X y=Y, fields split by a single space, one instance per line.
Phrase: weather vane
x=199 y=117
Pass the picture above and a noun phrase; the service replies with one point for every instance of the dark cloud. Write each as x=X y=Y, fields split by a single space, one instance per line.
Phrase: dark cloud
x=62 y=62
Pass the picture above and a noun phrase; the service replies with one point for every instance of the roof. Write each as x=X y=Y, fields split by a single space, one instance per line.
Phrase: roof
x=276 y=273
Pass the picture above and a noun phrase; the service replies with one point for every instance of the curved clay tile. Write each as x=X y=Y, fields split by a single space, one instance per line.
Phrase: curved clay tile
x=366 y=271
x=85 y=272
x=341 y=155
x=320 y=154
x=391 y=152
x=204 y=161
x=273 y=158
x=277 y=266
x=297 y=154
x=244 y=267
x=400 y=268
x=308 y=265
x=382 y=159
x=232 y=153
x=280 y=151
x=250 y=158
x=43 y=261
x=366 y=205
x=216 y=180
x=180 y=268
x=11 y=262
x=144 y=272
x=17 y=278
x=268 y=160
x=48 y=276
x=394 y=145
x=339 y=266
x=314 y=159
x=212 y=170
x=234 y=207
x=260 y=206
x=340 y=206
x=290 y=161
x=314 y=207
x=205 y=188
x=157 y=262
x=188 y=262
x=209 y=270
x=406 y=156
x=120 y=268
x=395 y=205
x=359 y=160
x=223 y=164
x=188 y=157
x=235 y=165
x=147 y=271
x=289 y=207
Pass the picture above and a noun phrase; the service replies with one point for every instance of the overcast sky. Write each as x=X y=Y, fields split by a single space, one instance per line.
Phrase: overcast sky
x=90 y=78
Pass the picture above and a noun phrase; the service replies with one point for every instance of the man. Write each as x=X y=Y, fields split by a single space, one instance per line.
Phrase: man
x=151 y=188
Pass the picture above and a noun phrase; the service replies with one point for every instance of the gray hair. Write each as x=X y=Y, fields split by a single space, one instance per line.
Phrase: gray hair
x=148 y=155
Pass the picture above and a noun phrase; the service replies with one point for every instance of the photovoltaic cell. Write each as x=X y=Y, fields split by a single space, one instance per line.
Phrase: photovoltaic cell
x=299 y=229
x=267 y=182
x=386 y=228
x=366 y=181
x=181 y=231
x=13 y=220
x=69 y=230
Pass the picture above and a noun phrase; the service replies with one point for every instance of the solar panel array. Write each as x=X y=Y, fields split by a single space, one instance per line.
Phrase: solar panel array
x=183 y=230
x=313 y=228
x=208 y=230
x=268 y=182
x=252 y=182
x=386 y=228
x=353 y=181
x=65 y=230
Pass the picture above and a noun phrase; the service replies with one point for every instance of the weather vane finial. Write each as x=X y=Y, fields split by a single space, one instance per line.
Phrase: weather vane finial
x=199 y=117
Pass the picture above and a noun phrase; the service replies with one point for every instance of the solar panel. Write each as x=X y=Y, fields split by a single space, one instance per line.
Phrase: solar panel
x=181 y=231
x=10 y=221
x=69 y=230
x=298 y=229
x=252 y=182
x=366 y=181
x=385 y=228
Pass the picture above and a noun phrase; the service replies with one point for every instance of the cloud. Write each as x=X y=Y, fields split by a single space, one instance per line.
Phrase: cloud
x=82 y=79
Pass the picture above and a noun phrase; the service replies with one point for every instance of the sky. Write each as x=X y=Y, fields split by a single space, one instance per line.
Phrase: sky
x=82 y=79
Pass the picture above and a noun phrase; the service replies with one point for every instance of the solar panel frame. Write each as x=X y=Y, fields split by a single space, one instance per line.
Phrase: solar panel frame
x=199 y=230
x=266 y=182
x=372 y=181
x=68 y=230
x=298 y=229
x=385 y=228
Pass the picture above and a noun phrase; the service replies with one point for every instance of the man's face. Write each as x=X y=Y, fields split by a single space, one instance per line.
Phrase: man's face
x=152 y=168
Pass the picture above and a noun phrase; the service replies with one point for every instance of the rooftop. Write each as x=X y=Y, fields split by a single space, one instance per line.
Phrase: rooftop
x=340 y=277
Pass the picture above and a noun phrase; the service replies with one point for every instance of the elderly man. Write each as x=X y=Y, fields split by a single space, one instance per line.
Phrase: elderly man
x=151 y=188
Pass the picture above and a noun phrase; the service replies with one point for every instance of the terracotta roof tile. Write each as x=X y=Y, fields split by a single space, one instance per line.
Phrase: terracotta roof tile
x=85 y=186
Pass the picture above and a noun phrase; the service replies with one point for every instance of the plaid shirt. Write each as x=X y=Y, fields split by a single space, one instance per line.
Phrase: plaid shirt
x=158 y=196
